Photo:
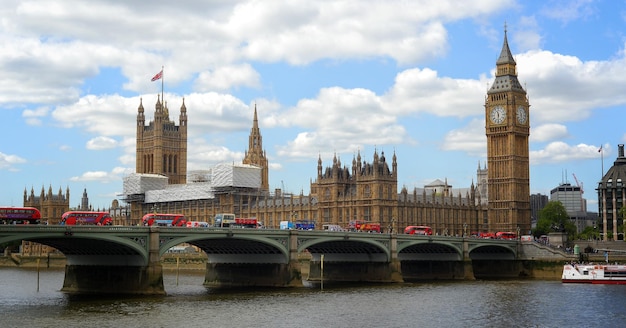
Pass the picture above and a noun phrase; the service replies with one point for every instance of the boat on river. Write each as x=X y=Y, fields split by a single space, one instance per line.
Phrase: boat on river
x=611 y=274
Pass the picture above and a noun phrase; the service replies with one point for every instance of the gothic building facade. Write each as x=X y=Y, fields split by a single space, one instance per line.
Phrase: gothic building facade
x=339 y=194
x=51 y=205
x=162 y=145
x=366 y=190
x=507 y=129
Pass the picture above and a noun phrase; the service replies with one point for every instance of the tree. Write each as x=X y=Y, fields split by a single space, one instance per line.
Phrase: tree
x=553 y=218
x=589 y=233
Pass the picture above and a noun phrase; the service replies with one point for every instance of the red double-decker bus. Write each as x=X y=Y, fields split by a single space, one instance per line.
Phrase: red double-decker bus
x=164 y=220
x=86 y=218
x=419 y=230
x=19 y=215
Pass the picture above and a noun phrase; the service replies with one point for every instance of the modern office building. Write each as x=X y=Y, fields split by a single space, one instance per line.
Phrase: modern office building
x=576 y=206
x=537 y=203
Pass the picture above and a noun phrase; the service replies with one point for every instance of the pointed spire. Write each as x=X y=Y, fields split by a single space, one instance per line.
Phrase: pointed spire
x=505 y=55
x=255 y=120
x=506 y=71
x=183 y=108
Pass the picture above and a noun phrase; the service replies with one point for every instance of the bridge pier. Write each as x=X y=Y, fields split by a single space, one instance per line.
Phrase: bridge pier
x=265 y=273
x=88 y=279
x=347 y=268
x=116 y=274
x=468 y=268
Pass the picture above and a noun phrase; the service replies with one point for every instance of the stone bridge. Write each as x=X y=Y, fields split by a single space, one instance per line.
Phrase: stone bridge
x=122 y=259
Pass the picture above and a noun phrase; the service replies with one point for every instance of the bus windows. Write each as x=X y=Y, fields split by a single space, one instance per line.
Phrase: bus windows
x=164 y=220
x=224 y=220
x=86 y=218
x=418 y=230
x=19 y=215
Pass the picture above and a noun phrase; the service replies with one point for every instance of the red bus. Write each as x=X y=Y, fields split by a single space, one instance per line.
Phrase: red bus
x=506 y=235
x=419 y=230
x=164 y=220
x=359 y=225
x=19 y=215
x=86 y=218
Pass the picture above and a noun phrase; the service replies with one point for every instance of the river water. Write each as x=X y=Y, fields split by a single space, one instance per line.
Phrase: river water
x=512 y=303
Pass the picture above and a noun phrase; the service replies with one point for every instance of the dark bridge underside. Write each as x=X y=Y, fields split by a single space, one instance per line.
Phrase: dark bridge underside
x=232 y=250
x=491 y=253
x=83 y=251
x=429 y=252
x=81 y=246
x=347 y=251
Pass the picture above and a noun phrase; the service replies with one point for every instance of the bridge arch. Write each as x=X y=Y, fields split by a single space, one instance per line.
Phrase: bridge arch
x=197 y=239
x=84 y=247
x=232 y=247
x=492 y=252
x=346 y=248
x=429 y=250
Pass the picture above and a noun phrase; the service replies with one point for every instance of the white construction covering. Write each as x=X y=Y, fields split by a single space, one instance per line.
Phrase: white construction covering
x=140 y=183
x=199 y=176
x=236 y=175
x=174 y=193
x=200 y=184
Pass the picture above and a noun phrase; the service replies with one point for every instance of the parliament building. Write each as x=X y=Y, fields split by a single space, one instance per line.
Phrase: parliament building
x=366 y=190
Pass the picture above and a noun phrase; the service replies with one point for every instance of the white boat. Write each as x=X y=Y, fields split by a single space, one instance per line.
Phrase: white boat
x=594 y=274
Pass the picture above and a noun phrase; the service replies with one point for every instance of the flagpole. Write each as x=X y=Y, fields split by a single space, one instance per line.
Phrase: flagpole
x=602 y=160
x=163 y=78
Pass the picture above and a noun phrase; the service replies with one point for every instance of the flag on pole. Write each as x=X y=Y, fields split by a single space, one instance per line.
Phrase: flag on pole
x=158 y=76
x=600 y=150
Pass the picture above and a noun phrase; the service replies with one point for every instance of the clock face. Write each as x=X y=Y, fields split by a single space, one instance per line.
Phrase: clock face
x=521 y=115
x=498 y=114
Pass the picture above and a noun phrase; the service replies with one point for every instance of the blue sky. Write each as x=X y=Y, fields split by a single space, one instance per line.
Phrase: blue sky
x=327 y=77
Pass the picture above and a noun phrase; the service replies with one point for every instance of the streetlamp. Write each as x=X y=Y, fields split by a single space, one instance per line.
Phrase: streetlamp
x=127 y=214
x=464 y=229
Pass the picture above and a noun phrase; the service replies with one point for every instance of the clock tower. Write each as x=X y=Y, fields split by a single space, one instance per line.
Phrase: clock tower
x=507 y=130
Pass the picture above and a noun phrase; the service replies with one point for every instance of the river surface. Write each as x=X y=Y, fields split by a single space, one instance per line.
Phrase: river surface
x=512 y=303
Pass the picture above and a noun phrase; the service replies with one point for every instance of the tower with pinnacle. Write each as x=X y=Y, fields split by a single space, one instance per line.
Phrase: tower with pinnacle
x=255 y=155
x=162 y=145
x=507 y=129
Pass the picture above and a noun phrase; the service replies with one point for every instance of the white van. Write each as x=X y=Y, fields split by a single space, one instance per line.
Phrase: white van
x=332 y=227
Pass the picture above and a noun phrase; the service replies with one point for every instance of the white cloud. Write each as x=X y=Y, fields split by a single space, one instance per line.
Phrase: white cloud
x=100 y=143
x=422 y=90
x=203 y=155
x=470 y=139
x=340 y=120
x=100 y=176
x=548 y=132
x=568 y=10
x=65 y=42
x=226 y=77
x=564 y=88
x=8 y=162
x=558 y=152
x=34 y=117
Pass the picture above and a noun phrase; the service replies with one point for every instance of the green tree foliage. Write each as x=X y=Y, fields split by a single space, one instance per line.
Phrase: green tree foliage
x=554 y=218
x=589 y=233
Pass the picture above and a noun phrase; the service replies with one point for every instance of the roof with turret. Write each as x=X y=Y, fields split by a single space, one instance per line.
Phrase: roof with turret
x=617 y=172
